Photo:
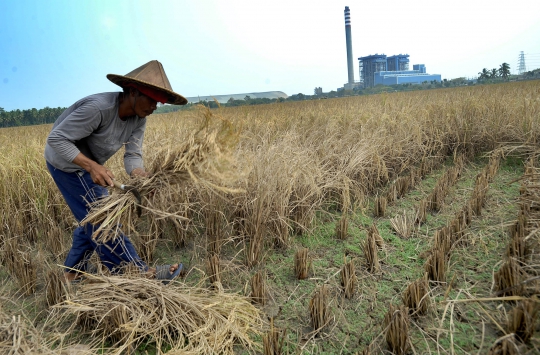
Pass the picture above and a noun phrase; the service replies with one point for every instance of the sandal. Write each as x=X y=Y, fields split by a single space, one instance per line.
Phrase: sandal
x=164 y=275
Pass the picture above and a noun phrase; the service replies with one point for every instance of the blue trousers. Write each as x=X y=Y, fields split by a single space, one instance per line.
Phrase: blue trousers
x=79 y=190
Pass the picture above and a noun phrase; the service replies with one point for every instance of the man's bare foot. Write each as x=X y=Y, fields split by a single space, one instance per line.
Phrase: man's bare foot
x=152 y=271
x=71 y=276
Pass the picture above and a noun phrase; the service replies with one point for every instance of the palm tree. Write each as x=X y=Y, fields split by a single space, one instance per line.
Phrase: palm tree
x=504 y=70
x=484 y=74
x=494 y=72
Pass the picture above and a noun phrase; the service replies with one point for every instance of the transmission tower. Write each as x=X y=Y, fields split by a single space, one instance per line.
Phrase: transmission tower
x=521 y=67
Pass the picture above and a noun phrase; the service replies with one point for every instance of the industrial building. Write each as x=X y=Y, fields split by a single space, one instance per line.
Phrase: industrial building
x=379 y=69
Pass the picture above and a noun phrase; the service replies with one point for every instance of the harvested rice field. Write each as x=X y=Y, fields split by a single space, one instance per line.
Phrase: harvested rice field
x=402 y=223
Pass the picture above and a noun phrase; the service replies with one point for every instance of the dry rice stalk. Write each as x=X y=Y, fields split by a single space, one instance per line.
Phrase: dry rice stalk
x=130 y=310
x=494 y=163
x=55 y=243
x=179 y=228
x=19 y=336
x=392 y=194
x=370 y=251
x=443 y=240
x=436 y=199
x=403 y=186
x=16 y=338
x=22 y=265
x=281 y=229
x=380 y=206
x=204 y=158
x=213 y=269
x=342 y=227
x=461 y=221
x=319 y=309
x=504 y=346
x=273 y=340
x=255 y=248
x=147 y=242
x=435 y=265
x=507 y=281
x=414 y=177
x=522 y=320
x=302 y=263
x=396 y=322
x=467 y=214
x=255 y=230
x=258 y=287
x=519 y=229
x=303 y=200
x=180 y=231
x=517 y=248
x=348 y=279
x=478 y=196
x=55 y=289
x=426 y=166
x=421 y=212
x=373 y=232
x=416 y=297
x=365 y=351
x=530 y=165
x=456 y=230
x=215 y=222
x=403 y=225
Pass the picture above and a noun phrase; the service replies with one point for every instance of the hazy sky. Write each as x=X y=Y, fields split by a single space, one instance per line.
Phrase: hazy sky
x=53 y=53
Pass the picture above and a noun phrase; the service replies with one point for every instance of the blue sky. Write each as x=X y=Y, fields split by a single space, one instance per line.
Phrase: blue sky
x=54 y=52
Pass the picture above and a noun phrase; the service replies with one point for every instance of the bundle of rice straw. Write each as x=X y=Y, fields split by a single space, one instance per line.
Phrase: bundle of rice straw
x=204 y=158
x=128 y=311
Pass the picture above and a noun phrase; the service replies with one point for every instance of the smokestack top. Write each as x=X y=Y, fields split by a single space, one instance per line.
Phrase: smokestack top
x=347 y=16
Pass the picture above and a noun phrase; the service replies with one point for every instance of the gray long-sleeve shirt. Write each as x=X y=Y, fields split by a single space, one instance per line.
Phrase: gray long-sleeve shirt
x=92 y=126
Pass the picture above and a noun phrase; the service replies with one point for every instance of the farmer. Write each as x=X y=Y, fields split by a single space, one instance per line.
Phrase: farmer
x=83 y=138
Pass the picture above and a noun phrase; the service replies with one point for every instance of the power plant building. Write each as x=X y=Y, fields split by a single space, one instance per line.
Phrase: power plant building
x=379 y=69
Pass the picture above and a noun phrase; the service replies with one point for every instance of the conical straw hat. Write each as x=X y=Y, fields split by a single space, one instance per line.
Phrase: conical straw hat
x=151 y=75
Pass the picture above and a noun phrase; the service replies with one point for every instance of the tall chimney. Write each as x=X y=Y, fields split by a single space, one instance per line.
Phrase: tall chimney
x=349 y=44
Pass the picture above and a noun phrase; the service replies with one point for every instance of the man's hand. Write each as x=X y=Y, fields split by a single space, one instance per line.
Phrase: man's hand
x=100 y=175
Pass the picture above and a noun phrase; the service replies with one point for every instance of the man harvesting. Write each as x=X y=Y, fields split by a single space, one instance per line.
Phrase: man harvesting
x=84 y=137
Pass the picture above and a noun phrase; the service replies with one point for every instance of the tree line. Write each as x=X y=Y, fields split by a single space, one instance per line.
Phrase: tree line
x=29 y=117
x=502 y=72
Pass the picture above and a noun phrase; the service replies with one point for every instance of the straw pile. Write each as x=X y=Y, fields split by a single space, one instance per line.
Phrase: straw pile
x=128 y=311
x=205 y=158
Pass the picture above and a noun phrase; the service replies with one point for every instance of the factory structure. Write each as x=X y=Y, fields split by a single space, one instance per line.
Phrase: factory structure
x=380 y=69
